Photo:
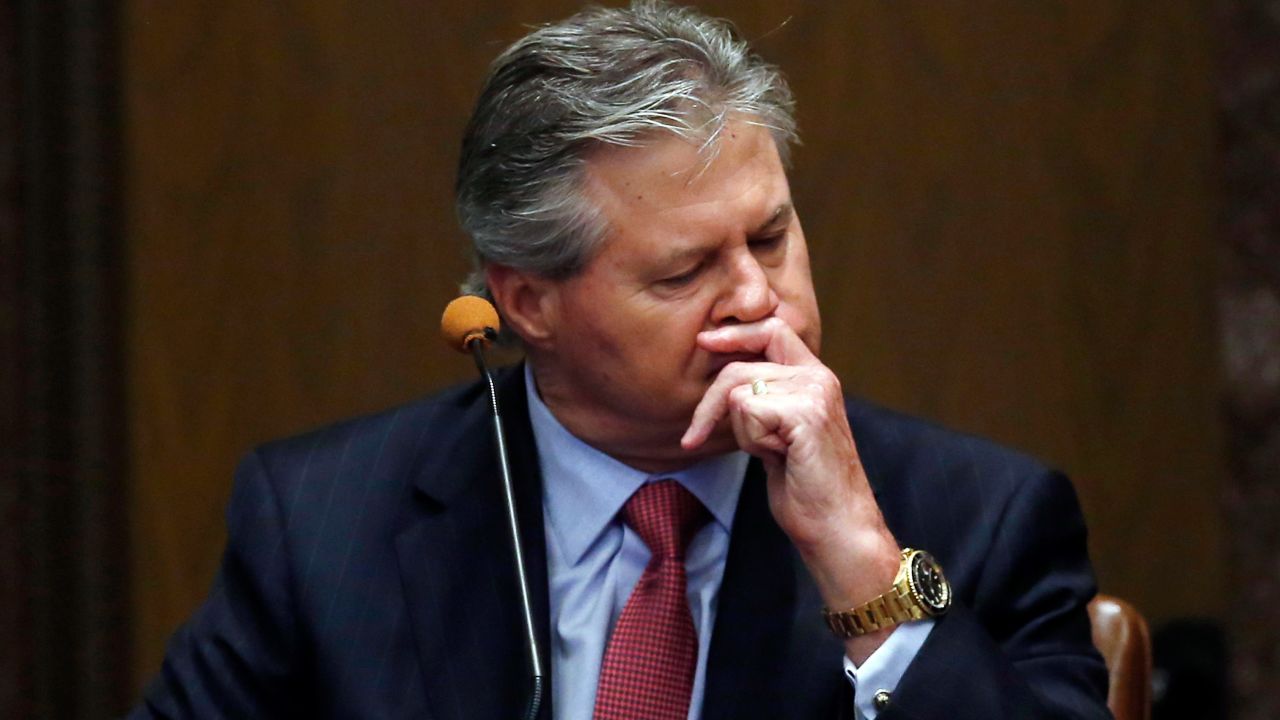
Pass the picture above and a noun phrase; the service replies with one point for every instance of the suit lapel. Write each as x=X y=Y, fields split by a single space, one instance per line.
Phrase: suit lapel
x=457 y=567
x=771 y=656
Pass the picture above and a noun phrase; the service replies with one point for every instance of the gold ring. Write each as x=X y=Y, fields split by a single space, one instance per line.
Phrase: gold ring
x=759 y=387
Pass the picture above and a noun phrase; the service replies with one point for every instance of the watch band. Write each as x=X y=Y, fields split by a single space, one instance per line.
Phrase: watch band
x=890 y=609
x=878 y=613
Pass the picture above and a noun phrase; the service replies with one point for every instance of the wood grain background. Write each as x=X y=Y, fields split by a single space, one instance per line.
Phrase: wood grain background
x=1009 y=205
x=1249 y=327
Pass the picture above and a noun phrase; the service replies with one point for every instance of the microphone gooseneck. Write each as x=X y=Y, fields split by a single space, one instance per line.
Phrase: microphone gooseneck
x=469 y=324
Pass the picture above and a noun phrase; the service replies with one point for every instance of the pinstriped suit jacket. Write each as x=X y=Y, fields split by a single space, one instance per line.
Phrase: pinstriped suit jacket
x=367 y=575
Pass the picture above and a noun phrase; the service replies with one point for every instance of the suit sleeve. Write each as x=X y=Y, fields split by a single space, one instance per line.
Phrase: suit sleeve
x=1018 y=643
x=235 y=658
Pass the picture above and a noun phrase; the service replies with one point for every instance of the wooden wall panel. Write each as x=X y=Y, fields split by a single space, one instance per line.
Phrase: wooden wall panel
x=1249 y=312
x=1008 y=203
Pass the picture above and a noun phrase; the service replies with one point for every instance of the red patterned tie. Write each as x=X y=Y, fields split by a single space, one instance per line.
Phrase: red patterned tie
x=648 y=666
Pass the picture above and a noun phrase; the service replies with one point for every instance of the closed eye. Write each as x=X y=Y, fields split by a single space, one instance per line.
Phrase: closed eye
x=769 y=244
x=683 y=278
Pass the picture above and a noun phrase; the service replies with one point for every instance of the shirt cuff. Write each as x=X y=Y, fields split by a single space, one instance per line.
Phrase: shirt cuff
x=885 y=667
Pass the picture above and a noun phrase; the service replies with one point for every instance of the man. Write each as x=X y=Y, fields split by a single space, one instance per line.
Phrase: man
x=715 y=532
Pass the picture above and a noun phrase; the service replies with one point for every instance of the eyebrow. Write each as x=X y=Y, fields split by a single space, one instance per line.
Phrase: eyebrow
x=781 y=216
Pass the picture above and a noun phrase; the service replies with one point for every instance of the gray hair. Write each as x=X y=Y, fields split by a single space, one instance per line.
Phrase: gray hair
x=601 y=77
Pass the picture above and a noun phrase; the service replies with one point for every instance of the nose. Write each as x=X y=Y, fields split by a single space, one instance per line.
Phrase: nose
x=748 y=295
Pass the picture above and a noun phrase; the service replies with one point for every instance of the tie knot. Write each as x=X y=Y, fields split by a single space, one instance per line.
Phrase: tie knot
x=665 y=515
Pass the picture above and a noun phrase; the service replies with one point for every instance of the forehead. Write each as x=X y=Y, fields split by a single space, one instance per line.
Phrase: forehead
x=673 y=180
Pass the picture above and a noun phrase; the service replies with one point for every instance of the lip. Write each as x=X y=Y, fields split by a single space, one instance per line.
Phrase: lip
x=718 y=361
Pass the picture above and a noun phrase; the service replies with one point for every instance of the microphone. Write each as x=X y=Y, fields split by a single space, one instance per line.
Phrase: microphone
x=469 y=325
x=467 y=319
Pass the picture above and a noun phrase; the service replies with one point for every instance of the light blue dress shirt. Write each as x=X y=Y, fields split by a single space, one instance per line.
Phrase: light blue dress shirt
x=594 y=561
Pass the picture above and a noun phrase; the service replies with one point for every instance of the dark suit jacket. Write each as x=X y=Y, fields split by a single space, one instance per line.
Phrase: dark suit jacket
x=367 y=574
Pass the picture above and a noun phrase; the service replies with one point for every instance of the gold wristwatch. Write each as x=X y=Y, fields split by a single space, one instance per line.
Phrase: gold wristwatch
x=920 y=590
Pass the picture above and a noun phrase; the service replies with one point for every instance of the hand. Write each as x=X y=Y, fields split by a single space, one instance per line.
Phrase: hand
x=818 y=491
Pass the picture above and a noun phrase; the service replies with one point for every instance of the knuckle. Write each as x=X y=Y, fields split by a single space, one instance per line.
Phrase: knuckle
x=817 y=410
x=817 y=407
x=828 y=377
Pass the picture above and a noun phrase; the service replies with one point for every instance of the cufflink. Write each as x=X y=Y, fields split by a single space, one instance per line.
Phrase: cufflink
x=881 y=700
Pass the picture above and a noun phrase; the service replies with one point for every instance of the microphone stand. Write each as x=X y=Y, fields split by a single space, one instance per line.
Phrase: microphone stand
x=535 y=656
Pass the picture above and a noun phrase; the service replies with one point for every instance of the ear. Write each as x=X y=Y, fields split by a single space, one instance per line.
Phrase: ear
x=527 y=302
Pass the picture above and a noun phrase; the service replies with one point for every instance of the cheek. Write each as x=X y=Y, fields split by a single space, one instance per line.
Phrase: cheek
x=630 y=329
x=624 y=333
x=667 y=328
x=662 y=337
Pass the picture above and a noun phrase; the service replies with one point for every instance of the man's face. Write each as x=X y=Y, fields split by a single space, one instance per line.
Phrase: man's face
x=691 y=246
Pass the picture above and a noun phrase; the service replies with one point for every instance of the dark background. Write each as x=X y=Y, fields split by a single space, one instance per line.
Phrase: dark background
x=1052 y=223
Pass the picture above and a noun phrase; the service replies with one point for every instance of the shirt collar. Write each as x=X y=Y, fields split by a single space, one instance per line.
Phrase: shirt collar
x=584 y=489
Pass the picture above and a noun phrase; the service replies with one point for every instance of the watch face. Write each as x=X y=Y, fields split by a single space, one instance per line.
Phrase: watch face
x=928 y=583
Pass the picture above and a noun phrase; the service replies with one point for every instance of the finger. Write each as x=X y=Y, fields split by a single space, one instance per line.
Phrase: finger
x=755 y=425
x=763 y=443
x=715 y=401
x=772 y=338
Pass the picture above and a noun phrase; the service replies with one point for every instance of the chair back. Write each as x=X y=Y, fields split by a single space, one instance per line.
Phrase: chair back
x=1120 y=632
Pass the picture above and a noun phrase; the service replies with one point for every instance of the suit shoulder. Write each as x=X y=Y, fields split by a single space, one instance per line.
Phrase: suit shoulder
x=894 y=444
x=957 y=494
x=353 y=441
